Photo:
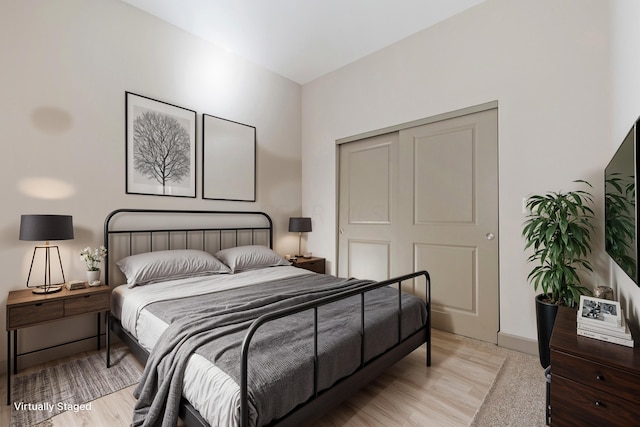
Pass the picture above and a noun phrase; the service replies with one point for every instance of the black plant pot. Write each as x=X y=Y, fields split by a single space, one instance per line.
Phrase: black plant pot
x=545 y=317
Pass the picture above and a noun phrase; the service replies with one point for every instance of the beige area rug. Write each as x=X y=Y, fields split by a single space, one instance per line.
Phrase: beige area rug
x=518 y=395
x=40 y=395
x=449 y=393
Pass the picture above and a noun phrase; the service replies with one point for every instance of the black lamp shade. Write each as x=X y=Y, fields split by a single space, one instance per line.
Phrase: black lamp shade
x=46 y=227
x=299 y=225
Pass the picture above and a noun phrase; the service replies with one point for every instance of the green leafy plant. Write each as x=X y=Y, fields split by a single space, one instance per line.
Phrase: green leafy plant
x=559 y=232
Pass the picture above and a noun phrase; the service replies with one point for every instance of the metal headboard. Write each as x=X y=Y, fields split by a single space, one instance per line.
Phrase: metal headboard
x=208 y=231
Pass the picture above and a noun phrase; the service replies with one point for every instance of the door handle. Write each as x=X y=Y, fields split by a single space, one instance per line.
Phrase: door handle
x=341 y=230
x=489 y=236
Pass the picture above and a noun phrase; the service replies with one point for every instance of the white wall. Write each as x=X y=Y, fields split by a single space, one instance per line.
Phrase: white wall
x=545 y=62
x=625 y=66
x=66 y=65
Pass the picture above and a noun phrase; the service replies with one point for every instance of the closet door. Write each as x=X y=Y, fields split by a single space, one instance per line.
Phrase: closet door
x=426 y=197
x=449 y=218
x=368 y=212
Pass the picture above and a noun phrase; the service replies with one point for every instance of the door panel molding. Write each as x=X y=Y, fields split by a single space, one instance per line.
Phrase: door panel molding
x=369 y=259
x=457 y=289
x=370 y=187
x=457 y=148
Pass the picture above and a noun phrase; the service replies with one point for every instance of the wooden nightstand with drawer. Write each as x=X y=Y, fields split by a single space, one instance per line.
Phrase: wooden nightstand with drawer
x=25 y=309
x=315 y=264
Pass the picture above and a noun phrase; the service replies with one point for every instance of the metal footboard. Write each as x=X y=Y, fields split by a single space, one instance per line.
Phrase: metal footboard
x=314 y=305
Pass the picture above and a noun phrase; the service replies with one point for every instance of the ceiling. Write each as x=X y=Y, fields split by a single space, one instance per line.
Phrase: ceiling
x=303 y=39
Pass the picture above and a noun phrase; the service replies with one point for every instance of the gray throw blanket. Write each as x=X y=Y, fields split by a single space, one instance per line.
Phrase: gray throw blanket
x=281 y=355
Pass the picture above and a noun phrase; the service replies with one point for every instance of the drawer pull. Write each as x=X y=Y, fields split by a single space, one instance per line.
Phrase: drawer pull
x=598 y=403
x=38 y=304
x=600 y=377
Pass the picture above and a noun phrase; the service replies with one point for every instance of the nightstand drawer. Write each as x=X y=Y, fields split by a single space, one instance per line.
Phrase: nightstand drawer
x=86 y=304
x=315 y=264
x=32 y=314
x=595 y=376
x=581 y=406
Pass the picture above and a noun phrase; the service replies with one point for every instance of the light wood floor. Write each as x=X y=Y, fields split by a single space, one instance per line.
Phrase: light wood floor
x=449 y=393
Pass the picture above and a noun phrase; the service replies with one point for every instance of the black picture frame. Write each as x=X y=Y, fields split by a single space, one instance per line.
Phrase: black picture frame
x=228 y=160
x=160 y=148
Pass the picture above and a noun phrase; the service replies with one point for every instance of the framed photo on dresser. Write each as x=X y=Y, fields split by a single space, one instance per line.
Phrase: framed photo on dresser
x=161 y=148
x=599 y=311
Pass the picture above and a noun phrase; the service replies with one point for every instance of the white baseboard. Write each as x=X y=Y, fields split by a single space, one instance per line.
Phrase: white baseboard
x=513 y=342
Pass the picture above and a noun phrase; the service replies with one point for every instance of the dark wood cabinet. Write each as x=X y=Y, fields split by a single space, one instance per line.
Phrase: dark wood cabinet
x=592 y=382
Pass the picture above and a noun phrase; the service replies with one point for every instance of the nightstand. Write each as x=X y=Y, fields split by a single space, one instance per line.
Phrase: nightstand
x=314 y=264
x=26 y=309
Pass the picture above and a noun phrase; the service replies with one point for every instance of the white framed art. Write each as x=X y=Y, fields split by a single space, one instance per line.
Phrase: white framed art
x=228 y=160
x=161 y=147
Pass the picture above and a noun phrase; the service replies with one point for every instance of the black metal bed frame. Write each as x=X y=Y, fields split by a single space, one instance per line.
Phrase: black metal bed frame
x=321 y=401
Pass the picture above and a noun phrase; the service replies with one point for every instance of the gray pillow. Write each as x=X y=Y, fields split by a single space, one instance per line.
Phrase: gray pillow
x=159 y=266
x=243 y=258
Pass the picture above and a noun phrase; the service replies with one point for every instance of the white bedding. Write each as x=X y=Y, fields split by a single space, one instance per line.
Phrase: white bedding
x=211 y=392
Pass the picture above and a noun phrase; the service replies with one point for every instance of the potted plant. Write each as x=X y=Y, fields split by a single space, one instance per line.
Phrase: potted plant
x=92 y=259
x=558 y=229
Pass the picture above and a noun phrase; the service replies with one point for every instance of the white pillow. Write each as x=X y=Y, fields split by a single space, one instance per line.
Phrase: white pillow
x=243 y=258
x=152 y=267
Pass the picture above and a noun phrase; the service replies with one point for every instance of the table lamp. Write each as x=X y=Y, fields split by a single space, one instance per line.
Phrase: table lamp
x=299 y=225
x=44 y=228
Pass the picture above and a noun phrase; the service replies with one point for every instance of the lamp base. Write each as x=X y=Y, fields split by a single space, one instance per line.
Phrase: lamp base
x=47 y=287
x=47 y=290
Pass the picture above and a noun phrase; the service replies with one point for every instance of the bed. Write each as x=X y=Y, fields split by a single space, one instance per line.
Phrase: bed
x=260 y=343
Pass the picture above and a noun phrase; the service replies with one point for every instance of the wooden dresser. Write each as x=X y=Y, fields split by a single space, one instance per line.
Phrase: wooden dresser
x=592 y=382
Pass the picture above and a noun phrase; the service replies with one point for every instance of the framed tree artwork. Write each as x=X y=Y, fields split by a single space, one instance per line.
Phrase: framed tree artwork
x=161 y=148
x=228 y=160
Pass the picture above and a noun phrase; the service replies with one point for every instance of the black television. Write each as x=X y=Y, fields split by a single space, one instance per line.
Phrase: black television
x=620 y=208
